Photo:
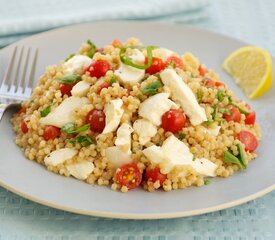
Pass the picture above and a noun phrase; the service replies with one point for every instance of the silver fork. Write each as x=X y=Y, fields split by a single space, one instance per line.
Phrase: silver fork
x=16 y=86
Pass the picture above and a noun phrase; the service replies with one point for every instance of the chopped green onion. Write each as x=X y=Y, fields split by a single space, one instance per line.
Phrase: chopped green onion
x=112 y=80
x=181 y=136
x=199 y=96
x=241 y=155
x=70 y=79
x=70 y=56
x=230 y=158
x=213 y=114
x=225 y=111
x=128 y=61
x=240 y=109
x=70 y=128
x=220 y=95
x=152 y=88
x=92 y=50
x=206 y=182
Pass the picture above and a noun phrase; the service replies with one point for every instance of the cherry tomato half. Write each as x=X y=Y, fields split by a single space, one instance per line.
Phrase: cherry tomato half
x=51 y=132
x=96 y=119
x=65 y=89
x=250 y=118
x=116 y=43
x=202 y=70
x=129 y=175
x=235 y=115
x=173 y=120
x=175 y=60
x=154 y=174
x=249 y=140
x=98 y=68
x=213 y=84
x=24 y=127
x=156 y=66
x=22 y=110
x=103 y=85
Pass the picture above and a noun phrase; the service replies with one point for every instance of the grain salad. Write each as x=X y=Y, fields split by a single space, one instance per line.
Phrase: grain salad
x=129 y=115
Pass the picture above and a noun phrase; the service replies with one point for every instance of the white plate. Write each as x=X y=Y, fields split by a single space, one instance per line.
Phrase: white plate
x=30 y=180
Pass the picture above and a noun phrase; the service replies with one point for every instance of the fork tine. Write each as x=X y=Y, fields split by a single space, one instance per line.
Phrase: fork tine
x=16 y=79
x=7 y=76
x=23 y=82
x=31 y=79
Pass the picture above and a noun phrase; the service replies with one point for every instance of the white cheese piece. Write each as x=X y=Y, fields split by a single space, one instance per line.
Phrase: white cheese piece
x=117 y=157
x=212 y=131
x=204 y=166
x=137 y=57
x=81 y=170
x=123 y=138
x=154 y=154
x=75 y=63
x=175 y=153
x=80 y=89
x=129 y=75
x=63 y=114
x=162 y=53
x=154 y=107
x=184 y=95
x=113 y=112
x=145 y=130
x=59 y=156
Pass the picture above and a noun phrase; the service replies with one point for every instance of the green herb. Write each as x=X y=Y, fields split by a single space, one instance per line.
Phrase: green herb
x=92 y=50
x=240 y=109
x=128 y=61
x=181 y=136
x=157 y=75
x=199 y=96
x=140 y=96
x=152 y=88
x=70 y=79
x=84 y=140
x=209 y=122
x=206 y=182
x=192 y=75
x=112 y=80
x=70 y=56
x=172 y=64
x=46 y=110
x=230 y=158
x=225 y=111
x=194 y=158
x=214 y=113
x=70 y=128
x=220 y=95
x=241 y=155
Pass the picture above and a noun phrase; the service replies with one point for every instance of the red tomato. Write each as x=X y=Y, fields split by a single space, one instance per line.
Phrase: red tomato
x=98 y=68
x=235 y=116
x=51 y=132
x=249 y=140
x=219 y=84
x=173 y=120
x=129 y=175
x=202 y=70
x=22 y=110
x=153 y=175
x=65 y=89
x=116 y=43
x=103 y=85
x=212 y=84
x=96 y=119
x=176 y=60
x=156 y=66
x=250 y=118
x=24 y=127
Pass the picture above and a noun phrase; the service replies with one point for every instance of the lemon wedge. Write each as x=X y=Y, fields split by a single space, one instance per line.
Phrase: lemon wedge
x=251 y=67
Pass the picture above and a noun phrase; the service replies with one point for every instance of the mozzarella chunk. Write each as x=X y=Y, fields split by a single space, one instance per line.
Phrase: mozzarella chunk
x=204 y=167
x=212 y=131
x=154 y=154
x=162 y=53
x=59 y=156
x=81 y=170
x=124 y=137
x=184 y=95
x=145 y=130
x=80 y=89
x=175 y=153
x=129 y=75
x=75 y=63
x=137 y=57
x=154 y=107
x=113 y=112
x=63 y=114
x=117 y=157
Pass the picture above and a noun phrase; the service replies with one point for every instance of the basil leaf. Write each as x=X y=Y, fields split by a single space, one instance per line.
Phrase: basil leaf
x=181 y=136
x=152 y=88
x=70 y=128
x=241 y=155
x=206 y=182
x=82 y=129
x=84 y=140
x=199 y=96
x=92 y=50
x=128 y=61
x=70 y=79
x=220 y=95
x=230 y=158
x=45 y=111
x=70 y=56
x=112 y=80
x=225 y=111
